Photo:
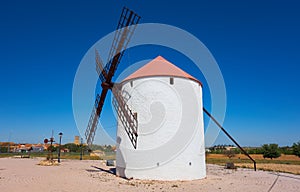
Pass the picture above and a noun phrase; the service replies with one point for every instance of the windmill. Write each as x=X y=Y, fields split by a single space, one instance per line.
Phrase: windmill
x=128 y=114
x=126 y=26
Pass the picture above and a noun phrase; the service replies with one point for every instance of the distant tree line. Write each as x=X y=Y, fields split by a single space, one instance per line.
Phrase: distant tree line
x=72 y=147
x=267 y=150
x=77 y=148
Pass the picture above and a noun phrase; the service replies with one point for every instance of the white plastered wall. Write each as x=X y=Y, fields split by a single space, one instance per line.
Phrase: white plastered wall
x=170 y=127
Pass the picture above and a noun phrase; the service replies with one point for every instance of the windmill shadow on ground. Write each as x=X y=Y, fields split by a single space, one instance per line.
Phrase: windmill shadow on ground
x=110 y=170
x=113 y=170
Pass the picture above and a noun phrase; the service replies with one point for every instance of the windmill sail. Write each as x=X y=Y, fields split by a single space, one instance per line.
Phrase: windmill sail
x=93 y=119
x=99 y=67
x=126 y=116
x=123 y=34
x=125 y=29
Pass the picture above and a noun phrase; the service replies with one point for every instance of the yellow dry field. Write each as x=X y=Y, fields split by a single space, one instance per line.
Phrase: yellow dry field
x=295 y=169
x=285 y=163
x=255 y=156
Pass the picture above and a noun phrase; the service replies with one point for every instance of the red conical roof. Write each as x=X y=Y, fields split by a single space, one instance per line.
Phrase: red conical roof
x=160 y=67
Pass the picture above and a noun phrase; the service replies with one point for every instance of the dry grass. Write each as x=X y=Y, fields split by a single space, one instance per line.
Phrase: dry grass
x=256 y=157
x=285 y=163
x=48 y=163
x=295 y=169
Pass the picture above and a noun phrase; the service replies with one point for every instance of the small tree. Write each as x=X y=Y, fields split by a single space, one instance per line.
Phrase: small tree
x=296 y=149
x=72 y=147
x=271 y=151
x=51 y=148
x=3 y=149
x=229 y=153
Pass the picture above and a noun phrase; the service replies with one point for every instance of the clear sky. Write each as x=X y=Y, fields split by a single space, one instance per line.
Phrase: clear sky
x=255 y=43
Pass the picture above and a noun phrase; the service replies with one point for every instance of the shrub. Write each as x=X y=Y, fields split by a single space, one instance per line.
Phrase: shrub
x=271 y=151
x=229 y=153
x=296 y=149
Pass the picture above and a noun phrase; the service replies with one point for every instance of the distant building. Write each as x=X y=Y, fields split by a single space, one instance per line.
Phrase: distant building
x=228 y=148
x=76 y=140
x=37 y=149
x=22 y=148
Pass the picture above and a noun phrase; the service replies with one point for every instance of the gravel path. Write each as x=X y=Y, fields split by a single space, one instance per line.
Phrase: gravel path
x=74 y=175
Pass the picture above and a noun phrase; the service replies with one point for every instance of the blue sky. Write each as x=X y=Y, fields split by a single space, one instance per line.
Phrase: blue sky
x=256 y=45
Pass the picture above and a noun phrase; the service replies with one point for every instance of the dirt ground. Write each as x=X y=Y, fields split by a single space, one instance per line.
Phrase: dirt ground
x=74 y=175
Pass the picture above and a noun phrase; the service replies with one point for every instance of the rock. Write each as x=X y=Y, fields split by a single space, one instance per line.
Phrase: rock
x=110 y=162
x=229 y=165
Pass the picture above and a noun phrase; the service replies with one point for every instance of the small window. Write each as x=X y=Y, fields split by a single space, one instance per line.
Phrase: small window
x=131 y=83
x=190 y=163
x=171 y=80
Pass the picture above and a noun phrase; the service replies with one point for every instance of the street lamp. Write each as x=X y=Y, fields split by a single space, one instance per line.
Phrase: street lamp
x=81 y=149
x=60 y=135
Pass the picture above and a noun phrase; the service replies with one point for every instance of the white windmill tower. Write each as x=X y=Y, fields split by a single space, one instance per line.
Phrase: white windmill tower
x=168 y=102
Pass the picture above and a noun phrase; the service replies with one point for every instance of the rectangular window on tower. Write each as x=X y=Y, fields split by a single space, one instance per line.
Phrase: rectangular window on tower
x=171 y=80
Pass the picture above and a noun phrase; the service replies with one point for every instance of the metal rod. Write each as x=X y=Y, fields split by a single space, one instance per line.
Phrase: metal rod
x=220 y=126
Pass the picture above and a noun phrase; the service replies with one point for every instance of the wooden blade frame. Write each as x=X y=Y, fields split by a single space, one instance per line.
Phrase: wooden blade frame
x=93 y=119
x=126 y=116
x=123 y=34
x=99 y=67
x=126 y=26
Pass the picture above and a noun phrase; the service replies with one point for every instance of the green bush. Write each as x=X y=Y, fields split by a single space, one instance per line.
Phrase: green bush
x=271 y=151
x=296 y=149
x=286 y=150
x=3 y=149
